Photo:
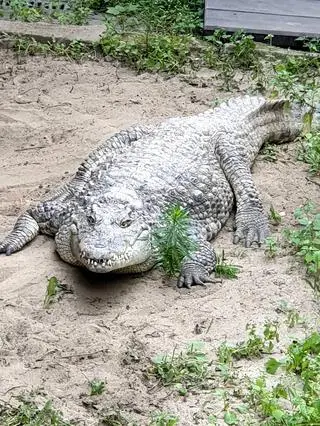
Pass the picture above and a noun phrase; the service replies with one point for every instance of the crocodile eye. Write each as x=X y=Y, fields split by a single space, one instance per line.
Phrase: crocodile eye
x=125 y=223
x=91 y=220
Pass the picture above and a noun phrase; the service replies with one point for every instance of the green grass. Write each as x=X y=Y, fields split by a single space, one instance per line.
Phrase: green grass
x=28 y=413
x=185 y=370
x=224 y=269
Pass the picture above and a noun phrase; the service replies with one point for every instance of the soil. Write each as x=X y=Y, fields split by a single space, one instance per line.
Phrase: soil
x=53 y=113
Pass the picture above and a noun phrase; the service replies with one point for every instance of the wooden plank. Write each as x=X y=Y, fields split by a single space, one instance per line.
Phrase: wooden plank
x=305 y=8
x=258 y=23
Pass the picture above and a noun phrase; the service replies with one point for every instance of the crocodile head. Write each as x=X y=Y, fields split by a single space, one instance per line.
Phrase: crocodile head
x=108 y=234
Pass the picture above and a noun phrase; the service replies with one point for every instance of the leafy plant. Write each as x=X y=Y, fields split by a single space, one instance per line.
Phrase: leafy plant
x=54 y=288
x=30 y=414
x=254 y=346
x=297 y=80
x=269 y=153
x=172 y=240
x=19 y=10
x=97 y=387
x=274 y=217
x=75 y=50
x=164 y=419
x=272 y=248
x=189 y=369
x=116 y=418
x=309 y=152
x=306 y=239
x=224 y=269
x=229 y=52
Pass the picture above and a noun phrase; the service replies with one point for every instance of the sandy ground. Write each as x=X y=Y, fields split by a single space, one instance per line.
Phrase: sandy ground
x=52 y=113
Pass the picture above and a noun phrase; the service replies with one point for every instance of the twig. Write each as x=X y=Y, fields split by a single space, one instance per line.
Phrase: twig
x=29 y=148
x=313 y=181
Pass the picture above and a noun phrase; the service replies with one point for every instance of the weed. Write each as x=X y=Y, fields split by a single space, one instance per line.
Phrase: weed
x=272 y=248
x=227 y=53
x=116 y=418
x=306 y=239
x=312 y=43
x=19 y=10
x=75 y=50
x=172 y=240
x=297 y=79
x=150 y=52
x=254 y=346
x=156 y=16
x=29 y=414
x=309 y=152
x=269 y=153
x=293 y=316
x=164 y=419
x=274 y=217
x=54 y=288
x=185 y=370
x=224 y=269
x=298 y=402
x=78 y=14
x=97 y=387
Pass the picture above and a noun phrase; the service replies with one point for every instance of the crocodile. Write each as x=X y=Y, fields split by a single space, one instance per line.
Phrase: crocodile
x=103 y=218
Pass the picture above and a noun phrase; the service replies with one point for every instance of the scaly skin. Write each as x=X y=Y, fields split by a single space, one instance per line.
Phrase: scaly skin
x=103 y=219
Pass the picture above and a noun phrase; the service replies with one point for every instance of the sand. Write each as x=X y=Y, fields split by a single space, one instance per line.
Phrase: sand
x=52 y=114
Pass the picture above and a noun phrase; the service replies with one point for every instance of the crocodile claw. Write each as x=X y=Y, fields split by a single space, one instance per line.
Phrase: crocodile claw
x=194 y=274
x=251 y=227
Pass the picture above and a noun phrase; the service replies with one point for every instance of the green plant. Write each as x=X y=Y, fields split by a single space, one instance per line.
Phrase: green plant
x=269 y=153
x=274 y=217
x=97 y=387
x=297 y=79
x=312 y=43
x=272 y=248
x=75 y=50
x=185 y=370
x=54 y=289
x=254 y=346
x=164 y=419
x=156 y=16
x=224 y=269
x=172 y=240
x=306 y=239
x=19 y=10
x=309 y=152
x=150 y=52
x=115 y=418
x=78 y=14
x=30 y=414
x=230 y=52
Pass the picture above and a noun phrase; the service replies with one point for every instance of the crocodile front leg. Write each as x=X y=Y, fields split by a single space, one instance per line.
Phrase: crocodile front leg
x=24 y=231
x=197 y=268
